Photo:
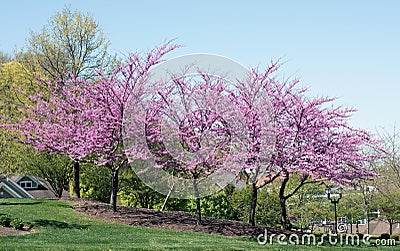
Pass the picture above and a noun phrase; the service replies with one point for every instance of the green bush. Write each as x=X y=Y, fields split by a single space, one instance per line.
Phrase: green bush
x=174 y=204
x=385 y=236
x=95 y=182
x=5 y=221
x=134 y=192
x=375 y=236
x=318 y=232
x=17 y=224
x=268 y=210
x=395 y=237
x=216 y=206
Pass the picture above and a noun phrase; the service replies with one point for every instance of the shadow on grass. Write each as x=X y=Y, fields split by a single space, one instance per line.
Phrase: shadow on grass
x=6 y=203
x=58 y=224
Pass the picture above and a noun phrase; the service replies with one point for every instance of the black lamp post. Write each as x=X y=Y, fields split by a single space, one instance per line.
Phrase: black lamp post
x=335 y=200
x=366 y=192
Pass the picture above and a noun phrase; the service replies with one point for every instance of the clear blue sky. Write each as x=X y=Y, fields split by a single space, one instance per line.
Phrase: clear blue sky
x=349 y=49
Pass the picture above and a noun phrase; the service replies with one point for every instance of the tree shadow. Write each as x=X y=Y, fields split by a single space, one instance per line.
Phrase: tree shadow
x=58 y=224
x=6 y=203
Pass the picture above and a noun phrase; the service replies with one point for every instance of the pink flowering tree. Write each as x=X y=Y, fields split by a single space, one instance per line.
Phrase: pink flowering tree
x=64 y=122
x=83 y=119
x=291 y=136
x=112 y=93
x=251 y=99
x=314 y=142
x=186 y=132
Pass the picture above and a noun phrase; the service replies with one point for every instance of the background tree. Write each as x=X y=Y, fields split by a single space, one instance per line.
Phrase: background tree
x=71 y=43
x=352 y=206
x=308 y=207
x=16 y=84
x=52 y=168
x=388 y=206
x=367 y=193
x=387 y=194
x=4 y=58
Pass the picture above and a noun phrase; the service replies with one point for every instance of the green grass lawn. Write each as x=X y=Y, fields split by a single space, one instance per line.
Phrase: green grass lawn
x=61 y=228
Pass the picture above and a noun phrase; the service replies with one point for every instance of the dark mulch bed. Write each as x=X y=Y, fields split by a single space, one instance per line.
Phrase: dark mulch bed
x=181 y=221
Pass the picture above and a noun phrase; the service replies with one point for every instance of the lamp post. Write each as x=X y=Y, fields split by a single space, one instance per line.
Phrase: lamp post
x=366 y=191
x=335 y=200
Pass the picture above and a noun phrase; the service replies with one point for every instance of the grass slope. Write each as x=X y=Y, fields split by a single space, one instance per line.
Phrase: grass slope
x=61 y=228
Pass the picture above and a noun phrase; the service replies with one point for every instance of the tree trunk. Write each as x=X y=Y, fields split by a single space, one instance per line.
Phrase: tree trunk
x=390 y=226
x=59 y=194
x=284 y=213
x=351 y=226
x=114 y=188
x=253 y=205
x=282 y=202
x=198 y=208
x=76 y=188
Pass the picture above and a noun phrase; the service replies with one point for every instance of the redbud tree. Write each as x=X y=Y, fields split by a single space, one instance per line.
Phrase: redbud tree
x=186 y=132
x=83 y=118
x=290 y=135
x=250 y=98
x=314 y=141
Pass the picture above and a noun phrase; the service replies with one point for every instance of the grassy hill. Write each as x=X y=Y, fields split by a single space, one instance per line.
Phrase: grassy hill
x=59 y=227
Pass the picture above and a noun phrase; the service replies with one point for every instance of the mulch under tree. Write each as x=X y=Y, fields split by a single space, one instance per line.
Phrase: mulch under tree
x=174 y=220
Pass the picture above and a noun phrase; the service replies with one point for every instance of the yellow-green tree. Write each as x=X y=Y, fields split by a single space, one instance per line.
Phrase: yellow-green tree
x=4 y=58
x=71 y=42
x=16 y=84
